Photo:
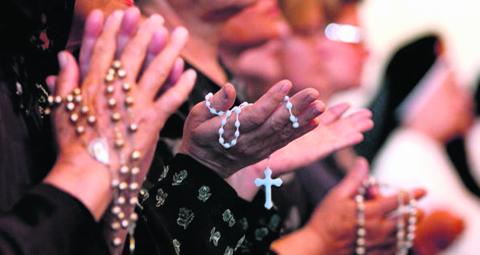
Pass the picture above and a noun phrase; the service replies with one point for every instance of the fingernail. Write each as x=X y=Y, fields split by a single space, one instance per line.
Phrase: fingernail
x=224 y=91
x=317 y=110
x=62 y=59
x=116 y=15
x=286 y=87
x=180 y=32
x=51 y=83
x=191 y=74
x=156 y=18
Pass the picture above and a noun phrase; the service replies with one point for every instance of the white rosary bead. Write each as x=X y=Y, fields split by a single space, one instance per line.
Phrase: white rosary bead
x=209 y=105
x=292 y=118
x=228 y=114
x=238 y=111
x=360 y=250
x=221 y=130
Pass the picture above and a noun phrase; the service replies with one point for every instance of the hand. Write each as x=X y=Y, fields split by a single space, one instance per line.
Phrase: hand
x=148 y=60
x=437 y=232
x=265 y=127
x=332 y=134
x=333 y=224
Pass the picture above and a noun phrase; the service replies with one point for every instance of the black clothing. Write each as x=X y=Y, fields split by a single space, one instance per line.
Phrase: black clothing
x=406 y=68
x=35 y=218
x=193 y=210
x=174 y=210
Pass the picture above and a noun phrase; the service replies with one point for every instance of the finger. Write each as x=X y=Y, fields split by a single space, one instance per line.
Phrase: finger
x=175 y=74
x=333 y=113
x=384 y=206
x=381 y=244
x=155 y=46
x=374 y=192
x=221 y=101
x=261 y=110
x=350 y=140
x=287 y=133
x=349 y=186
x=351 y=128
x=105 y=47
x=302 y=130
x=382 y=232
x=51 y=83
x=362 y=120
x=419 y=193
x=312 y=113
x=135 y=51
x=68 y=78
x=389 y=248
x=174 y=97
x=279 y=125
x=362 y=114
x=157 y=72
x=93 y=29
x=128 y=28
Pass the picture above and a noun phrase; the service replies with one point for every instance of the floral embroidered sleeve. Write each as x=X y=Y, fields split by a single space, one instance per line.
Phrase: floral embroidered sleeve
x=191 y=210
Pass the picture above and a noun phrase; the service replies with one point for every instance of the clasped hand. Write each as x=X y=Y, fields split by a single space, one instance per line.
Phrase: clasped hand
x=149 y=56
x=265 y=127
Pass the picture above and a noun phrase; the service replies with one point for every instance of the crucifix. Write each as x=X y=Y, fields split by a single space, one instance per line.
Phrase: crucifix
x=268 y=182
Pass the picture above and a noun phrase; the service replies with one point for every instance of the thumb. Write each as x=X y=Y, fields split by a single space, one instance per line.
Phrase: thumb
x=224 y=98
x=333 y=113
x=68 y=77
x=51 y=83
x=220 y=102
x=349 y=186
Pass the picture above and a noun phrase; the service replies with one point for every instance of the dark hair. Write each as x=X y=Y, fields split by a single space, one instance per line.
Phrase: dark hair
x=405 y=69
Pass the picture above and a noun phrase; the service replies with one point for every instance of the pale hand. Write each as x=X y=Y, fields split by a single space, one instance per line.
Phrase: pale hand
x=150 y=57
x=333 y=133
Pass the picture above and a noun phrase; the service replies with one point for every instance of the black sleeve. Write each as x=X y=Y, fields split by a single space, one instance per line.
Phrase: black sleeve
x=192 y=209
x=49 y=221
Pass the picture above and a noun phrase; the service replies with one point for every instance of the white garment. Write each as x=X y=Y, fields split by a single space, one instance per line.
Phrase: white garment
x=409 y=160
x=473 y=150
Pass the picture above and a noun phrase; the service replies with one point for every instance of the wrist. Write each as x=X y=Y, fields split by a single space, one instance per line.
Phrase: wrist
x=243 y=181
x=83 y=178
x=203 y=158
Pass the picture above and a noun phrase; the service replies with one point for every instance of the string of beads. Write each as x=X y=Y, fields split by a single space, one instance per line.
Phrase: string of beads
x=238 y=110
x=405 y=234
x=124 y=182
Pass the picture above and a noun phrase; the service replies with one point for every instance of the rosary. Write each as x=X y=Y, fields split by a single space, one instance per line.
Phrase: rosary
x=124 y=181
x=268 y=181
x=405 y=232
